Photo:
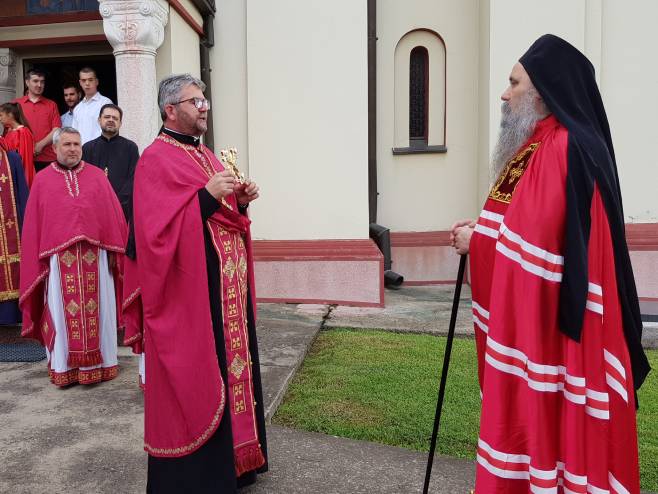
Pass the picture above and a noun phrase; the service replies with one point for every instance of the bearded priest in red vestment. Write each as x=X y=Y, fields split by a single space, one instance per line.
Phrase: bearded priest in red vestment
x=189 y=304
x=74 y=235
x=556 y=313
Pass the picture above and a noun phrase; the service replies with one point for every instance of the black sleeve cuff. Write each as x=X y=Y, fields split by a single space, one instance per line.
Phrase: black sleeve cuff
x=207 y=203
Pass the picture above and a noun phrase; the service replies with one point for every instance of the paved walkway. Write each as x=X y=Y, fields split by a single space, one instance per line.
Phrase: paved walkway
x=89 y=439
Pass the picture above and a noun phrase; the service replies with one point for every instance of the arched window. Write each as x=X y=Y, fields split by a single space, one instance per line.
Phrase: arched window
x=420 y=93
x=418 y=97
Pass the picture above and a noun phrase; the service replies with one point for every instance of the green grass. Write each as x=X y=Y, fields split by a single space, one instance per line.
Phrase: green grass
x=381 y=386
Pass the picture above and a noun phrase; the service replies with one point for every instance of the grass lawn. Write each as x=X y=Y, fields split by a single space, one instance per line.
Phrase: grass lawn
x=382 y=386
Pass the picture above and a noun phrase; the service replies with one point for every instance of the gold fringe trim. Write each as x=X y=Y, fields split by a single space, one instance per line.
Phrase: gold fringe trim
x=91 y=376
x=196 y=443
x=9 y=295
x=74 y=240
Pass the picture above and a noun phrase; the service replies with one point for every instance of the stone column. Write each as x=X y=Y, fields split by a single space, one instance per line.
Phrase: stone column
x=7 y=75
x=135 y=29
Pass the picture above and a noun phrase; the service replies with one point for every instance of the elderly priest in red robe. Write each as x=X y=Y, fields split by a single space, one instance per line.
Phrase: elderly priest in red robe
x=555 y=307
x=73 y=237
x=189 y=284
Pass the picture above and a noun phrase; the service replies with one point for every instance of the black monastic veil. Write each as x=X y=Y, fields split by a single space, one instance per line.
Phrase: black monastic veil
x=565 y=79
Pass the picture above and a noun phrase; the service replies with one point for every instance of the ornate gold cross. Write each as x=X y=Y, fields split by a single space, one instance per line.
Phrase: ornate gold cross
x=229 y=158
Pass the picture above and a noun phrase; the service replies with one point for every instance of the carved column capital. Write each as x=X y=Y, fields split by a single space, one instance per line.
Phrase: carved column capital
x=134 y=26
x=7 y=75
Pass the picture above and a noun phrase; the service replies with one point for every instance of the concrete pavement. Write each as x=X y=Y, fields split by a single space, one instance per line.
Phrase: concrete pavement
x=89 y=439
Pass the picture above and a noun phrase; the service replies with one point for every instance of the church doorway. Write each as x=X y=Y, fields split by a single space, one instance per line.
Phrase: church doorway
x=61 y=71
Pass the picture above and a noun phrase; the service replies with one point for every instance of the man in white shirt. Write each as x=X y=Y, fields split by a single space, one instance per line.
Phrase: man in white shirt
x=85 y=115
x=72 y=95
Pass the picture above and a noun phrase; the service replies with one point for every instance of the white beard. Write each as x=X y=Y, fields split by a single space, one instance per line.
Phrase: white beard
x=516 y=127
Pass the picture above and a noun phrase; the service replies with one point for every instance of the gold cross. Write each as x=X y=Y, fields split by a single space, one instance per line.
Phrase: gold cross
x=3 y=178
x=10 y=223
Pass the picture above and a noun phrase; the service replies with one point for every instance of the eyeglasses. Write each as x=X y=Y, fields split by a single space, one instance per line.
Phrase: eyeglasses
x=199 y=103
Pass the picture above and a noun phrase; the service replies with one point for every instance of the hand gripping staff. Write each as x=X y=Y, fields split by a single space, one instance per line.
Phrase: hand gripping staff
x=444 y=372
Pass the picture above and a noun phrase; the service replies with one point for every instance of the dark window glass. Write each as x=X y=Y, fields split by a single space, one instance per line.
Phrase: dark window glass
x=418 y=94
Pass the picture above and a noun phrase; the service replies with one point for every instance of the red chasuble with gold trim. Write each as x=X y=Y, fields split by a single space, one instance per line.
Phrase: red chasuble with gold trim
x=71 y=213
x=232 y=253
x=78 y=267
x=184 y=392
x=10 y=242
x=557 y=415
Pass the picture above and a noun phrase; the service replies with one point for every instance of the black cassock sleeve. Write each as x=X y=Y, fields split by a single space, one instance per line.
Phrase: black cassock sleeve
x=207 y=203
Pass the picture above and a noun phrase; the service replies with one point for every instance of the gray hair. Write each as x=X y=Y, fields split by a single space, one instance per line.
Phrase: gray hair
x=516 y=127
x=63 y=130
x=171 y=87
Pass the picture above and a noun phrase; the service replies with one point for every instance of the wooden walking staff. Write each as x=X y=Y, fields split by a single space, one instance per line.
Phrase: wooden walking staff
x=444 y=372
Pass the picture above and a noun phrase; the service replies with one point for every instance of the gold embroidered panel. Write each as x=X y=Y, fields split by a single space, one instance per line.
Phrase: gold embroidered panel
x=509 y=179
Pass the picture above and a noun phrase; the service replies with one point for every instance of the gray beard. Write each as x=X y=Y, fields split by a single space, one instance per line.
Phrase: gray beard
x=515 y=129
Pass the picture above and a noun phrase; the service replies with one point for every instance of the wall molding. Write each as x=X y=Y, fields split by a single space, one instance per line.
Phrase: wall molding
x=642 y=236
x=64 y=40
x=31 y=20
x=316 y=250
x=420 y=239
x=187 y=17
x=343 y=272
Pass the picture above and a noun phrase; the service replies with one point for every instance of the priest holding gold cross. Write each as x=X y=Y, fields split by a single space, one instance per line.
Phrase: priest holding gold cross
x=189 y=305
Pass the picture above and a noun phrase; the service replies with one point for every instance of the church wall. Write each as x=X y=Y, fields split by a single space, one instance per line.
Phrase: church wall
x=191 y=10
x=628 y=84
x=290 y=93
x=613 y=36
x=180 y=50
x=420 y=195
x=425 y=192
x=50 y=31
x=229 y=80
x=514 y=25
x=629 y=79
x=307 y=128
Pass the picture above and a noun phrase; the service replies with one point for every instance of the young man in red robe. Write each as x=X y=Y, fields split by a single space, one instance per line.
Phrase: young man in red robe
x=556 y=314
x=74 y=235
x=189 y=304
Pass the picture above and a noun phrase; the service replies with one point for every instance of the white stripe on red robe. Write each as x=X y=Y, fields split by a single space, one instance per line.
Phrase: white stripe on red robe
x=557 y=415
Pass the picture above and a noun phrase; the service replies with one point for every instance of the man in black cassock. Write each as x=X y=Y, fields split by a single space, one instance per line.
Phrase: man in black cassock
x=114 y=154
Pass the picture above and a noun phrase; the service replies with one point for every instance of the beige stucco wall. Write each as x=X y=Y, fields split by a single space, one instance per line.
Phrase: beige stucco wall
x=179 y=51
x=229 y=80
x=427 y=192
x=530 y=19
x=484 y=106
x=629 y=79
x=192 y=10
x=613 y=35
x=307 y=126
